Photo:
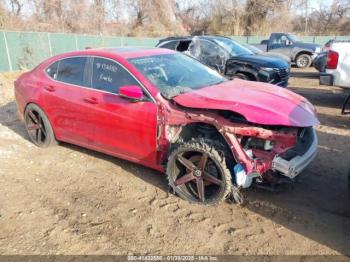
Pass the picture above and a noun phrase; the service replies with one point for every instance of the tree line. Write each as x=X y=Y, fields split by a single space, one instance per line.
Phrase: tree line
x=177 y=17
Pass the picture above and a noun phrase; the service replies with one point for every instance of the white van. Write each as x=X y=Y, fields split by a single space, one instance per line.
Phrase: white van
x=337 y=70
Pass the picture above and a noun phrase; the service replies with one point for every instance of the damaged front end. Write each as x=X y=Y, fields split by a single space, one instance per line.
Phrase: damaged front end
x=264 y=156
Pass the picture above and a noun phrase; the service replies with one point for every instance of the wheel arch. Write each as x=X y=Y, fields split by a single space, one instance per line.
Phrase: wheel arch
x=249 y=73
x=301 y=52
x=46 y=114
x=205 y=131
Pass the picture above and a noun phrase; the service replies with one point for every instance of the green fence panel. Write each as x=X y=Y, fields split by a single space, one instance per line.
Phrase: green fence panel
x=4 y=63
x=85 y=41
x=307 y=39
x=27 y=49
x=140 y=41
x=239 y=39
x=342 y=38
x=256 y=39
x=113 y=41
x=61 y=43
x=321 y=40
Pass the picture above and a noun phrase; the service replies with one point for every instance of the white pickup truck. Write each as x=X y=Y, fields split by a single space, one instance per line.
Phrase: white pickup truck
x=336 y=71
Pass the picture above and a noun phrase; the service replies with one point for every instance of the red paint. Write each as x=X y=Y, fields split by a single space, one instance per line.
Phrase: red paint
x=132 y=92
x=136 y=130
x=257 y=102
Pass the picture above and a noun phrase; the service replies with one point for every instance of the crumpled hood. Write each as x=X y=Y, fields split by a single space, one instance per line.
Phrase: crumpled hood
x=261 y=60
x=260 y=103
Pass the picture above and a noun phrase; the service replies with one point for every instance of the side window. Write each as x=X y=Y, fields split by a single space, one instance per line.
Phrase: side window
x=51 y=71
x=209 y=49
x=284 y=40
x=276 y=39
x=110 y=76
x=170 y=45
x=71 y=70
x=183 y=45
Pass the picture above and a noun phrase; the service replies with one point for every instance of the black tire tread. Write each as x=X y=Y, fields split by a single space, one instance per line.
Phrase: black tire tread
x=215 y=151
x=50 y=136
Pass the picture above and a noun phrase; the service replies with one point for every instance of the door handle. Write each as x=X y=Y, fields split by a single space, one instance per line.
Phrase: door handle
x=50 y=88
x=91 y=100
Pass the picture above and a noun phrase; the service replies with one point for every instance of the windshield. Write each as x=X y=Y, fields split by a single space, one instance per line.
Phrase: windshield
x=294 y=38
x=254 y=49
x=232 y=47
x=175 y=74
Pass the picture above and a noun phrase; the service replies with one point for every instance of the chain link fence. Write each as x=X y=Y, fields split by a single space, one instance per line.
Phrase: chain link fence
x=24 y=50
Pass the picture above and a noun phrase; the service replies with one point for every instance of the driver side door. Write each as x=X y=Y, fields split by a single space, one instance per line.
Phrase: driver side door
x=121 y=127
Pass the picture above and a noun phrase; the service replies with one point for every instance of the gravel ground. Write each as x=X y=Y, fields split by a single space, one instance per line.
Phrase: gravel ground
x=69 y=200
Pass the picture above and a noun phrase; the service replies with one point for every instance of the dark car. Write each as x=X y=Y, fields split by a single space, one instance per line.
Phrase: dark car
x=320 y=61
x=300 y=53
x=258 y=51
x=231 y=58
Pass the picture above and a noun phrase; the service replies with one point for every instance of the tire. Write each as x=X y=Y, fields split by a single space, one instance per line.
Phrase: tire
x=38 y=127
x=195 y=165
x=241 y=76
x=303 y=61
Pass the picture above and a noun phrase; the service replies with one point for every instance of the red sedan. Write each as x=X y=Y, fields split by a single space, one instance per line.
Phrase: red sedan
x=164 y=110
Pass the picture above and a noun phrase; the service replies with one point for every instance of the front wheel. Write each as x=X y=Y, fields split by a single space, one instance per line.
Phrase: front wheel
x=241 y=76
x=38 y=126
x=197 y=172
x=303 y=61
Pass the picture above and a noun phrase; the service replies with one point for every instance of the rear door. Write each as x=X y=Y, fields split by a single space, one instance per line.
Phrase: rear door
x=64 y=93
x=120 y=126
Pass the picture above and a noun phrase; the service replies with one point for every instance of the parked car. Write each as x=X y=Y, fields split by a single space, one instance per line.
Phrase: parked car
x=258 y=51
x=320 y=61
x=300 y=53
x=169 y=112
x=334 y=66
x=230 y=58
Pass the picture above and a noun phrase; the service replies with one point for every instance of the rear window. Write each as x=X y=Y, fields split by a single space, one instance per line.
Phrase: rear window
x=71 y=70
x=52 y=70
x=170 y=45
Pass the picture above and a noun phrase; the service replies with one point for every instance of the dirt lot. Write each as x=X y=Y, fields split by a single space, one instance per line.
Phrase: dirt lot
x=69 y=200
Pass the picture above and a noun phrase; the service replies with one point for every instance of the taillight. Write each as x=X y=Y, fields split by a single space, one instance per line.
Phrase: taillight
x=332 y=59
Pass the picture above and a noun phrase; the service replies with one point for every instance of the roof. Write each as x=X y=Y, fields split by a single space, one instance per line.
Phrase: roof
x=208 y=37
x=133 y=52
x=124 y=52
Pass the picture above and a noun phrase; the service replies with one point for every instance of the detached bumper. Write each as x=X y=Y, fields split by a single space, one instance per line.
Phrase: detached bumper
x=296 y=165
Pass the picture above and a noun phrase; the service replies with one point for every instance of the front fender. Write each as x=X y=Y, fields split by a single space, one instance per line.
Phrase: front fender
x=233 y=67
x=297 y=50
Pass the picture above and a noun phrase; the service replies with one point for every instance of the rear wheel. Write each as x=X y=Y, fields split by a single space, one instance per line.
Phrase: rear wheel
x=303 y=61
x=197 y=172
x=38 y=127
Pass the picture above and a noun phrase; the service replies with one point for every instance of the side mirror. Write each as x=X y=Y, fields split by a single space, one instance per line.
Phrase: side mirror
x=288 y=42
x=131 y=92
